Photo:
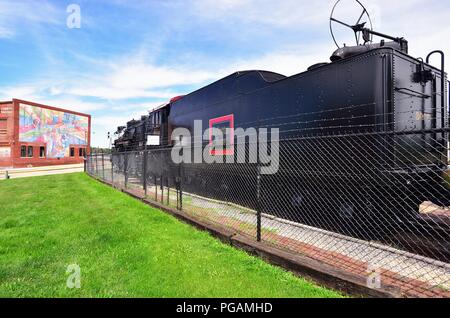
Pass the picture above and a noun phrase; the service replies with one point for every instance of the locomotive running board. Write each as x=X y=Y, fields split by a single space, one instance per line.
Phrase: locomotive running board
x=305 y=267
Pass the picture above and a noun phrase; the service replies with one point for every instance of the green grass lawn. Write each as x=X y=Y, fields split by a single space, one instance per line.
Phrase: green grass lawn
x=123 y=247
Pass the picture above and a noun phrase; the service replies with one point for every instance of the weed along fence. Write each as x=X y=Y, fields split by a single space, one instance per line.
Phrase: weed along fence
x=359 y=203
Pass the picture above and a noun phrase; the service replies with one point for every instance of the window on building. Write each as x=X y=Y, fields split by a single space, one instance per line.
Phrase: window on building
x=42 y=152
x=30 y=151
x=23 y=151
x=82 y=152
x=72 y=152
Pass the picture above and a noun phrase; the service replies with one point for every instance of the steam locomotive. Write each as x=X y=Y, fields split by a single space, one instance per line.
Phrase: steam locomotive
x=363 y=140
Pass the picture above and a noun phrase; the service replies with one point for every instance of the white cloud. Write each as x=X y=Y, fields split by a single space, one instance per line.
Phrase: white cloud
x=36 y=93
x=110 y=92
x=286 y=62
x=286 y=13
x=6 y=33
x=15 y=14
x=295 y=13
x=143 y=75
x=425 y=29
x=21 y=92
x=73 y=104
x=133 y=76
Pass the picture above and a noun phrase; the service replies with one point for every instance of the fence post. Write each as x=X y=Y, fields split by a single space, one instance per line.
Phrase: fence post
x=103 y=165
x=258 y=203
x=168 y=192
x=177 y=191
x=125 y=168
x=162 y=188
x=144 y=173
x=156 y=188
x=96 y=164
x=178 y=188
x=112 y=169
x=181 y=185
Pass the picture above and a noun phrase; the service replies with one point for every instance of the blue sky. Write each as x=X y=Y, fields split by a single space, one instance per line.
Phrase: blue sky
x=129 y=56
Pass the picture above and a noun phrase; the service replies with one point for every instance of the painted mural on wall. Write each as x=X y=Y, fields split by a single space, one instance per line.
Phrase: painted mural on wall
x=58 y=130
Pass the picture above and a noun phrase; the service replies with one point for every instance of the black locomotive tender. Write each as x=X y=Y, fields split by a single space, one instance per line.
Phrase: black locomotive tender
x=364 y=141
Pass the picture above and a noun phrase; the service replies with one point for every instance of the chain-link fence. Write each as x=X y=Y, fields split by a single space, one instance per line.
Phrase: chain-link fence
x=371 y=203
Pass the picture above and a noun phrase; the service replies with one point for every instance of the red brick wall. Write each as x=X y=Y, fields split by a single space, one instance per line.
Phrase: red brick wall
x=11 y=139
x=6 y=137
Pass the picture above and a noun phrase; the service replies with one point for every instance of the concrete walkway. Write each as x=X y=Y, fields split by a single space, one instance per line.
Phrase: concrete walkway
x=14 y=173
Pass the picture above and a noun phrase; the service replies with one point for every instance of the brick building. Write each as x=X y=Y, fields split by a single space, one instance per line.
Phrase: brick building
x=32 y=135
